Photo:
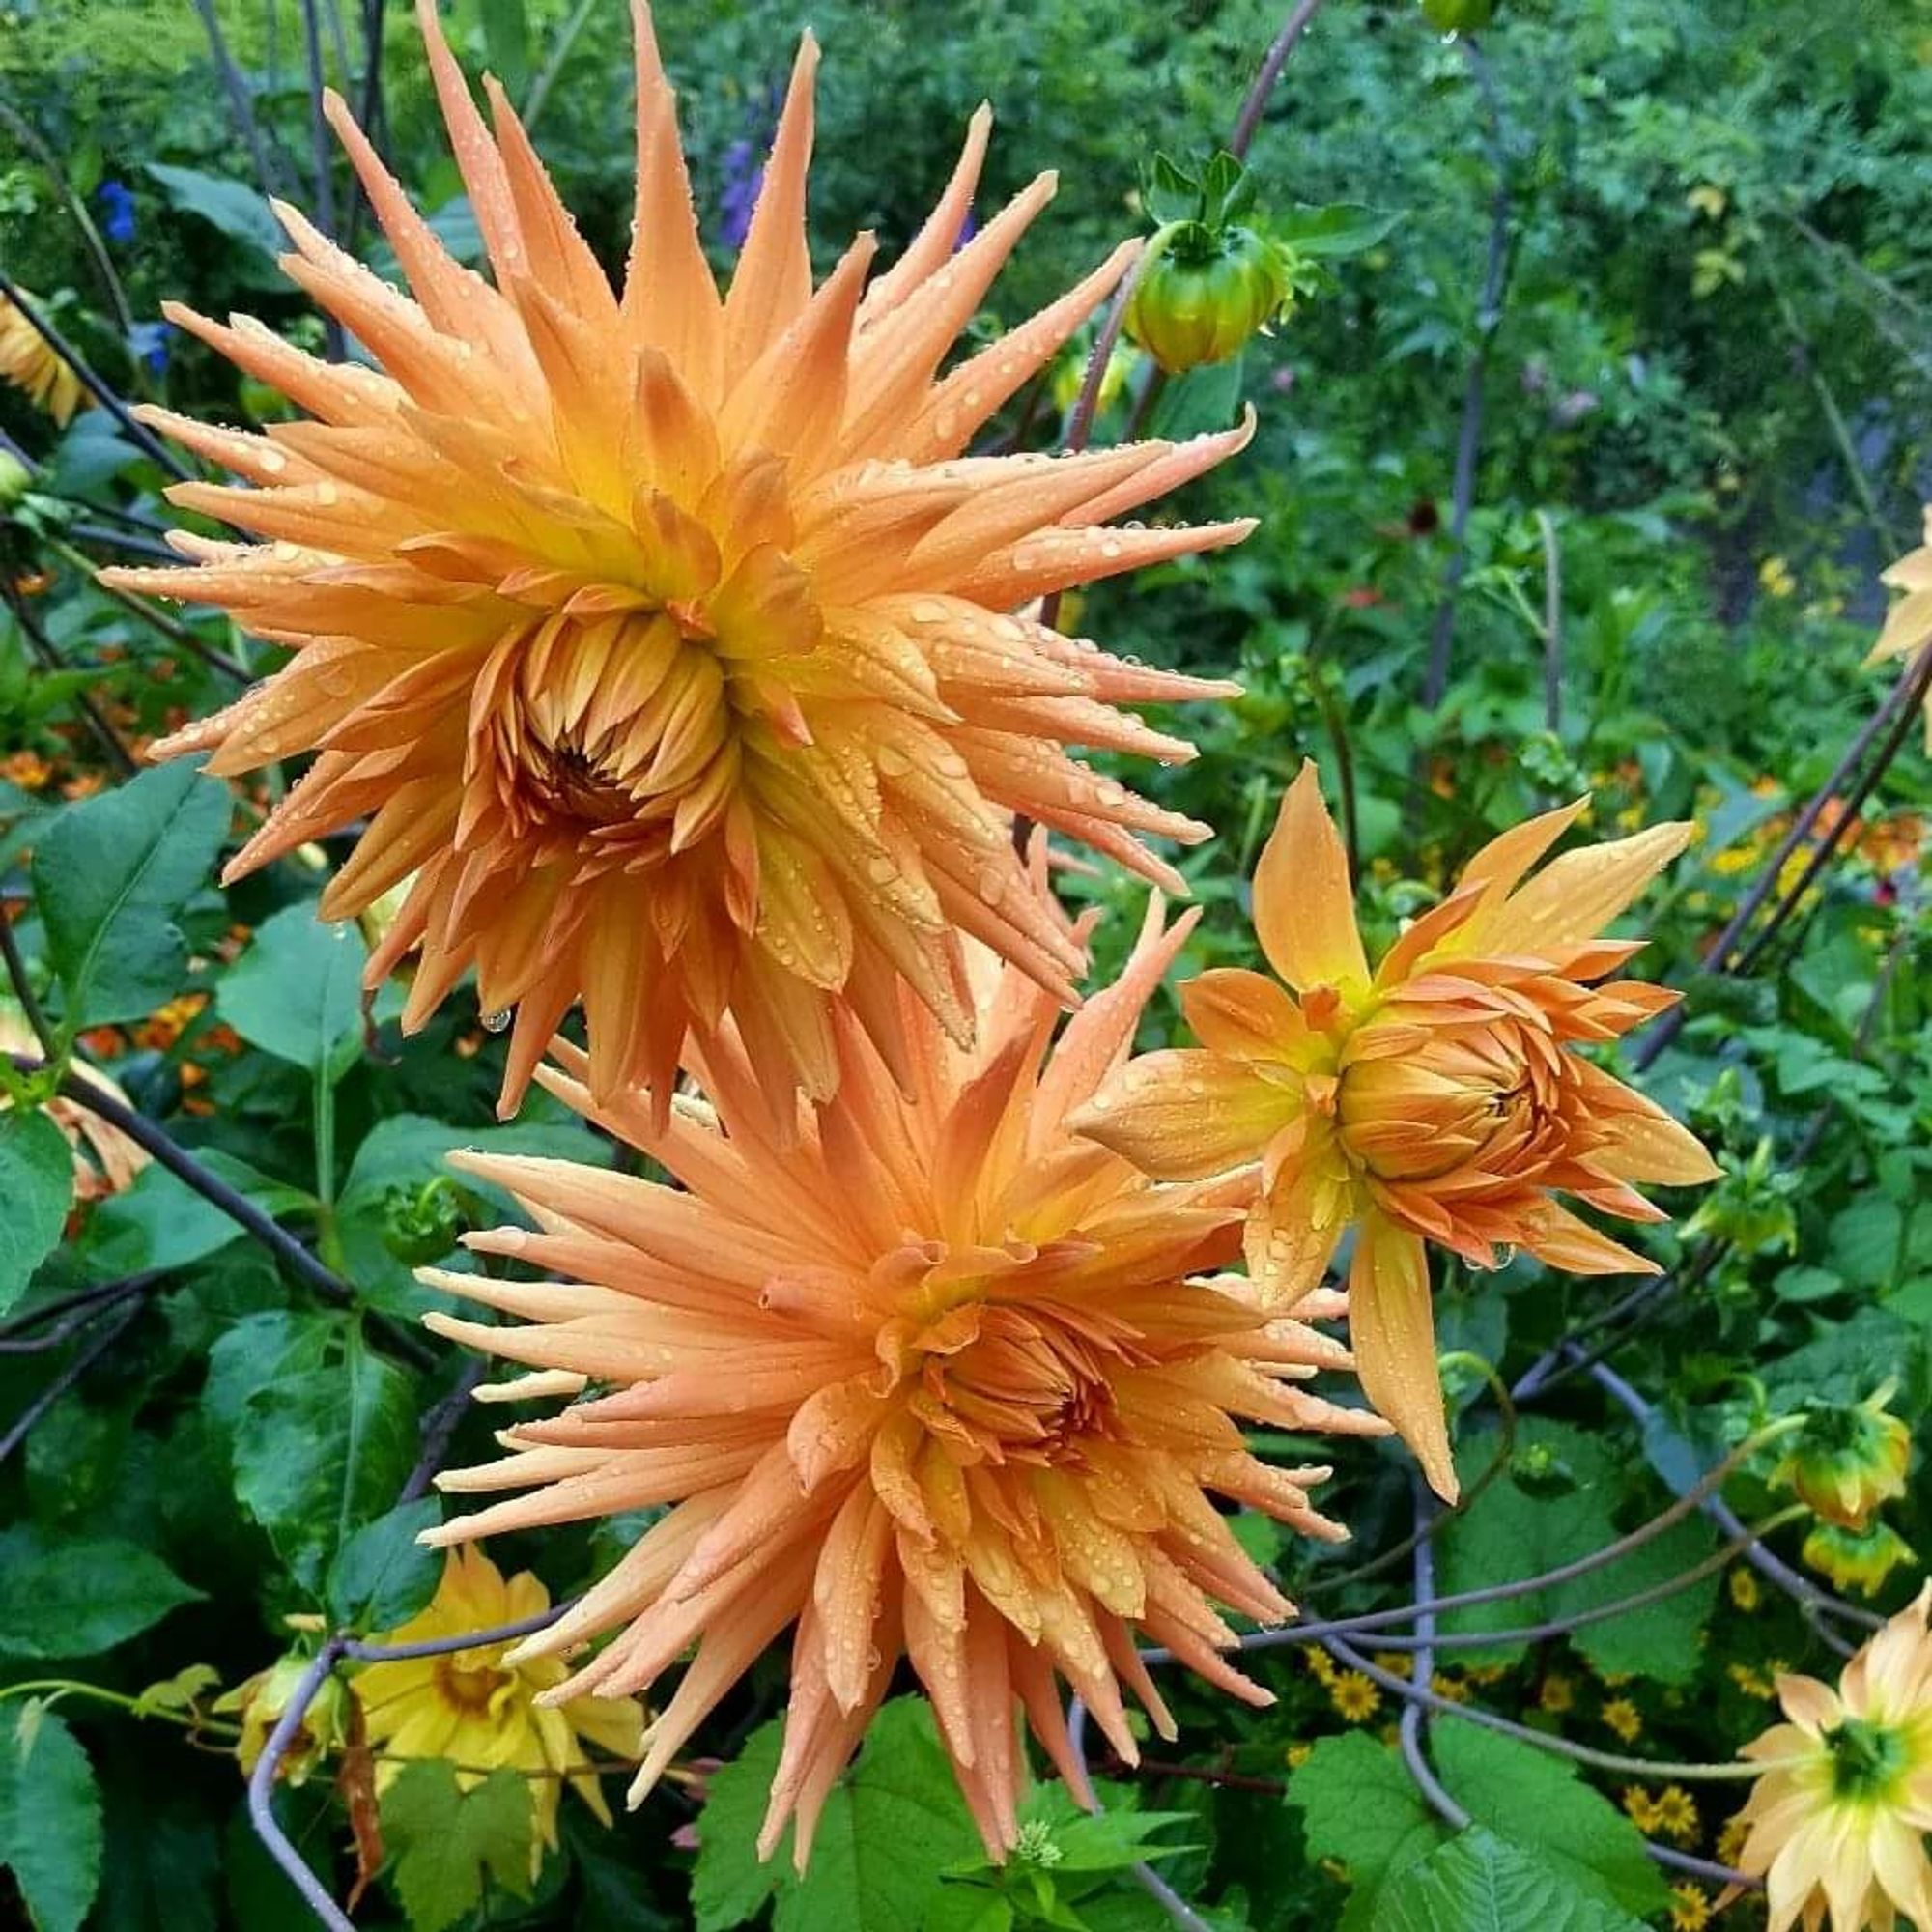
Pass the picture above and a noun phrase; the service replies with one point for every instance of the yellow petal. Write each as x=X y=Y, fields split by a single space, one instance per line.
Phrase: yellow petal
x=1304 y=907
x=1183 y=1115
x=1291 y=1234
x=1392 y=1326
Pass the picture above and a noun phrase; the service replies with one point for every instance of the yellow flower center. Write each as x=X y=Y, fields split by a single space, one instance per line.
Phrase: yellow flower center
x=468 y=1683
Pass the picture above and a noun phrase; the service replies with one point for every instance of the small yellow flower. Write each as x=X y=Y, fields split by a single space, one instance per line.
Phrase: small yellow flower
x=1690 y=1908
x=1354 y=1696
x=1296 y=1756
x=1557 y=1694
x=26 y=768
x=1320 y=1666
x=1743 y=1589
x=1676 y=1814
x=1620 y=1716
x=1774 y=574
x=1455 y=1688
x=480 y=1712
x=1708 y=201
x=1731 y=1839
x=1640 y=1807
x=1751 y=1681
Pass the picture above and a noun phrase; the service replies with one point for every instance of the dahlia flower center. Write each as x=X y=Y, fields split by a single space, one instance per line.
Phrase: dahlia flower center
x=1484 y=1095
x=1867 y=1759
x=1000 y=1376
x=467 y=1683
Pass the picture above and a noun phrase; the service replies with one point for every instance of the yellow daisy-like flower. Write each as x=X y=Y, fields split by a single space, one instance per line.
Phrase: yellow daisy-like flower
x=1837 y=1820
x=667 y=639
x=922 y=1373
x=28 y=363
x=1745 y=1591
x=1639 y=1808
x=480 y=1709
x=1689 y=1907
x=1438 y=1098
x=1354 y=1696
x=1556 y=1695
x=1622 y=1717
x=1675 y=1814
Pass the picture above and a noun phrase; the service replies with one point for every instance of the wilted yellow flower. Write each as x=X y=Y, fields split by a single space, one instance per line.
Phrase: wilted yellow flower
x=921 y=1370
x=1855 y=1559
x=481 y=1708
x=1908 y=624
x=1837 y=1819
x=105 y=1160
x=666 y=638
x=1437 y=1099
x=1846 y=1460
x=260 y=1701
x=30 y=364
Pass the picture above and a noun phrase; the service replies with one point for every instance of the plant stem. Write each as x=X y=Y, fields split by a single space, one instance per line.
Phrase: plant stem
x=539 y=94
x=31 y=138
x=23 y=992
x=241 y=103
x=177 y=634
x=1552 y=625
x=1247 y=123
x=137 y=432
x=1469 y=436
x=43 y=647
x=118 y=1317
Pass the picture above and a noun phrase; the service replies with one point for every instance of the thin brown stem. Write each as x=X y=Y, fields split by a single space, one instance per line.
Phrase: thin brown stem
x=1247 y=123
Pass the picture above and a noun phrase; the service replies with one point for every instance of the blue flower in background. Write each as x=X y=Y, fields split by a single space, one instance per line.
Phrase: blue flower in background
x=744 y=177
x=117 y=204
x=149 y=342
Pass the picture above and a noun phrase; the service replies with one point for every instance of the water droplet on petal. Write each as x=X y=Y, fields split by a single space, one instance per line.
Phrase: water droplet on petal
x=499 y=1020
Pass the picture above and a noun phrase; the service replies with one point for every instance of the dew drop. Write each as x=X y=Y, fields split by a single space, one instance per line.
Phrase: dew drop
x=498 y=1021
x=326 y=492
x=274 y=462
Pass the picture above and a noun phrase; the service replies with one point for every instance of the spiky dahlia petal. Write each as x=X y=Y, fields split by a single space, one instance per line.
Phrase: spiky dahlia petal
x=665 y=637
x=922 y=1373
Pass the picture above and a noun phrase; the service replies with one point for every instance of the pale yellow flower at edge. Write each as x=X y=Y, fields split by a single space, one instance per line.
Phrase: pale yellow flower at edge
x=480 y=1711
x=31 y=365
x=1434 y=1100
x=1837 y=1821
x=1908 y=624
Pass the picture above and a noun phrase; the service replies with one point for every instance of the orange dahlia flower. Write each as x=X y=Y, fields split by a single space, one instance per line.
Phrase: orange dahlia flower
x=922 y=1373
x=666 y=638
x=1433 y=1100
x=1837 y=1822
x=1908 y=624
x=28 y=363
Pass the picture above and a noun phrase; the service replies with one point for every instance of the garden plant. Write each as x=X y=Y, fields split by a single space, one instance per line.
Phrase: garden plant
x=982 y=994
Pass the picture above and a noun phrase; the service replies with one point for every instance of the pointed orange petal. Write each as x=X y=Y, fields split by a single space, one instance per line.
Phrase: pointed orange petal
x=1242 y=1013
x=1577 y=895
x=1304 y=907
x=1392 y=1326
x=773 y=280
x=1183 y=1115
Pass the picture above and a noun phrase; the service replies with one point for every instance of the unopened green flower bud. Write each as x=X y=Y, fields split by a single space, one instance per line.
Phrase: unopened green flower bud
x=1847 y=1460
x=1205 y=294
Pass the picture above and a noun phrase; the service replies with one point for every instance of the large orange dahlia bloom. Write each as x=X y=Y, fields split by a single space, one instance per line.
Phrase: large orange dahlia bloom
x=1437 y=1098
x=922 y=1373
x=665 y=638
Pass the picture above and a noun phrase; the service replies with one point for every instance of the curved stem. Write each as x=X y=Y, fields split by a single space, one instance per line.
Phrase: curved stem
x=30 y=138
x=1247 y=123
x=24 y=991
x=118 y=1319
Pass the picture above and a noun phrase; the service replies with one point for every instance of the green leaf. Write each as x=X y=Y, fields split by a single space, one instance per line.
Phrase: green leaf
x=961 y=1908
x=37 y=1185
x=382 y=1575
x=51 y=1833
x=445 y=1843
x=320 y=1453
x=69 y=1596
x=1358 y=1804
x=161 y=1222
x=163 y=1864
x=298 y=992
x=1341 y=228
x=238 y=211
x=891 y=1828
x=109 y=878
x=1526 y=1523
x=1539 y=1800
x=1477 y=1882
